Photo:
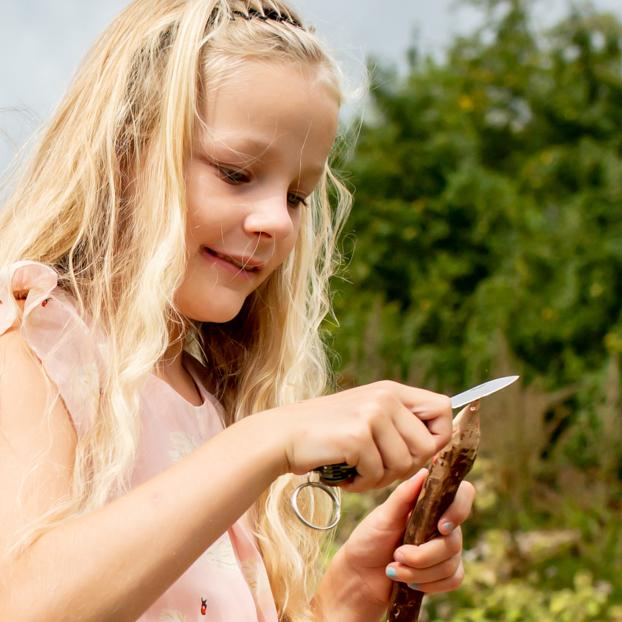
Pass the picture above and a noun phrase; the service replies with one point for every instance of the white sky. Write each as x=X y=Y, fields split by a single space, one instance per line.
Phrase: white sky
x=42 y=42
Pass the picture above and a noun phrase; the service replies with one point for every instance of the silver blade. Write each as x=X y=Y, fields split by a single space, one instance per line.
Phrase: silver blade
x=481 y=390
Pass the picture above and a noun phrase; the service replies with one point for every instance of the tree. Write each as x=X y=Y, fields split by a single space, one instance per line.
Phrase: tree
x=488 y=220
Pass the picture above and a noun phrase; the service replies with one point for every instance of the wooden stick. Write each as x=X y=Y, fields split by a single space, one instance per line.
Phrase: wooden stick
x=448 y=469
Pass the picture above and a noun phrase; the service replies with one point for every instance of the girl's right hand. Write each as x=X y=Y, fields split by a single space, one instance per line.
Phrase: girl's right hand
x=387 y=430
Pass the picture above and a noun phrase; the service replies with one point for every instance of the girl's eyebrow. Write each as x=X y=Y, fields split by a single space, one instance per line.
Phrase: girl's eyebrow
x=252 y=149
x=244 y=146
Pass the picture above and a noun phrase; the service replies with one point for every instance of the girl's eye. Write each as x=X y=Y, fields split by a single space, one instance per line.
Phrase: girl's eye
x=295 y=200
x=232 y=176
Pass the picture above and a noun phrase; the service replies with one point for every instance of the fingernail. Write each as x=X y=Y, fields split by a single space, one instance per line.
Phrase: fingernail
x=448 y=527
x=413 y=586
x=391 y=572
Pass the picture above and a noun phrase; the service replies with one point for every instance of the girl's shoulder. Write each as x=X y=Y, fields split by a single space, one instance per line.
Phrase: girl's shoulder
x=23 y=284
x=48 y=320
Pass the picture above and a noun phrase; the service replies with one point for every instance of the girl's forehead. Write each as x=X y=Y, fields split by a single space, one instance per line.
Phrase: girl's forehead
x=263 y=103
x=256 y=89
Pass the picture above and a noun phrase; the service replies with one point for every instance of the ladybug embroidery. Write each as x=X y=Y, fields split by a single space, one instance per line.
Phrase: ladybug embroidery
x=203 y=606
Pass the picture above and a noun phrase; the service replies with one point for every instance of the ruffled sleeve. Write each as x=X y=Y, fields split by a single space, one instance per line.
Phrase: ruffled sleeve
x=57 y=334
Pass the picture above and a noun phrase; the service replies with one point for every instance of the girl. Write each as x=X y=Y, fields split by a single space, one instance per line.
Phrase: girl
x=165 y=260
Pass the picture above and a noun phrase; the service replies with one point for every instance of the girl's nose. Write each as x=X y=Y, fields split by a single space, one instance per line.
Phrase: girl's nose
x=271 y=217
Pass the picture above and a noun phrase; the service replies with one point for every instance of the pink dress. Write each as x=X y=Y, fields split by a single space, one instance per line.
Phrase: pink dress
x=229 y=577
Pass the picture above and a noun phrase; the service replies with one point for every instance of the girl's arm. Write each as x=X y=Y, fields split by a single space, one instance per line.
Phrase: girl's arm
x=113 y=563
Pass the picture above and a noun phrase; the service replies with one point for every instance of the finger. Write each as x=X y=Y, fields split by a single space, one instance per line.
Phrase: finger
x=396 y=456
x=430 y=553
x=421 y=443
x=393 y=513
x=369 y=466
x=445 y=585
x=425 y=577
x=437 y=416
x=435 y=410
x=459 y=510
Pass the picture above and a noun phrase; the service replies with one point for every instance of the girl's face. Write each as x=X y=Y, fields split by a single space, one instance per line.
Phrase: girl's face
x=261 y=150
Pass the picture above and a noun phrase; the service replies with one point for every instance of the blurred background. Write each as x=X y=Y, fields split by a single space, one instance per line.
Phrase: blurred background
x=485 y=240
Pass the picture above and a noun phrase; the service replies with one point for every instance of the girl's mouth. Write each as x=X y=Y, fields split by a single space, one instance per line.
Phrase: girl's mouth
x=239 y=263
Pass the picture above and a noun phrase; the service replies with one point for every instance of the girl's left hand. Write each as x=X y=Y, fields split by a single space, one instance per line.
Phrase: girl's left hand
x=374 y=547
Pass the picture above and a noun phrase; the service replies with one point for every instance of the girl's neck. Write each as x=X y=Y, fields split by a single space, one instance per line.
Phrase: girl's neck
x=171 y=364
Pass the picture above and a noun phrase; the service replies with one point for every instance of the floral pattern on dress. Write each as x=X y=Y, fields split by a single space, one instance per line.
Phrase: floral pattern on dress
x=182 y=444
x=172 y=615
x=221 y=552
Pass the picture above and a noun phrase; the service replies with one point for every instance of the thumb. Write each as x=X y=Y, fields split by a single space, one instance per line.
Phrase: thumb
x=401 y=501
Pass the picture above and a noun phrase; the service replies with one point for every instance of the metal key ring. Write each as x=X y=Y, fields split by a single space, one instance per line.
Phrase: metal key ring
x=327 y=489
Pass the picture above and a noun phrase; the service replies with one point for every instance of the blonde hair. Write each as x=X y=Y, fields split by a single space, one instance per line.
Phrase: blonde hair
x=127 y=119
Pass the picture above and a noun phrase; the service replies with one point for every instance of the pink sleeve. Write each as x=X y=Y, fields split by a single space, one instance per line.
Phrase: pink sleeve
x=54 y=330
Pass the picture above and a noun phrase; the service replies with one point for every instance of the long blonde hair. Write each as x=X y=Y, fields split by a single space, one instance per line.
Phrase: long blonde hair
x=128 y=119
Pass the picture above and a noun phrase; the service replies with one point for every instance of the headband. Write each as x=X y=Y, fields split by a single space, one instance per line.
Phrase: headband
x=269 y=14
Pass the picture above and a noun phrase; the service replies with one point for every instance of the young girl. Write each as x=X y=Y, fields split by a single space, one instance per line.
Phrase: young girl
x=165 y=261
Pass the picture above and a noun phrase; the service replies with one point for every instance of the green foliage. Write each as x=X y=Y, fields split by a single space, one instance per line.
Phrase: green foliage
x=488 y=195
x=520 y=601
x=486 y=236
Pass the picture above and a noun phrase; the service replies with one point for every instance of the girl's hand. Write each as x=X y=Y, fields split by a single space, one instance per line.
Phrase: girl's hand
x=386 y=430
x=374 y=547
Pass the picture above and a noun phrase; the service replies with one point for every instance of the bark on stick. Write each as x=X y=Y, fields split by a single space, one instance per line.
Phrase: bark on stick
x=448 y=469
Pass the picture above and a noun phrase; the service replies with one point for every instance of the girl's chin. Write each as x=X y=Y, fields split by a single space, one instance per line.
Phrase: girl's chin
x=219 y=313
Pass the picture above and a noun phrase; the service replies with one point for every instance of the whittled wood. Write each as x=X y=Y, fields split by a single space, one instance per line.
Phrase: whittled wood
x=448 y=469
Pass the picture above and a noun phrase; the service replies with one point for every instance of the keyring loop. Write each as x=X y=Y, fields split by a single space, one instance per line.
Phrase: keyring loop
x=326 y=489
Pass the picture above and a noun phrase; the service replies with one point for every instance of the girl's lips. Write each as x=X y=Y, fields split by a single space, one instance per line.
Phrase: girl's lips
x=234 y=264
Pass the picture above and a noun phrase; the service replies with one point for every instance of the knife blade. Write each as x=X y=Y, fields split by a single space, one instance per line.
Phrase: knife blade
x=481 y=390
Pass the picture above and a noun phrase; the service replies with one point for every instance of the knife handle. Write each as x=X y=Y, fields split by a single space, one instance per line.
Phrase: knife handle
x=333 y=474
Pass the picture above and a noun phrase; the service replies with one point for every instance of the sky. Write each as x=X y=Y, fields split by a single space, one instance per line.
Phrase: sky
x=43 y=41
